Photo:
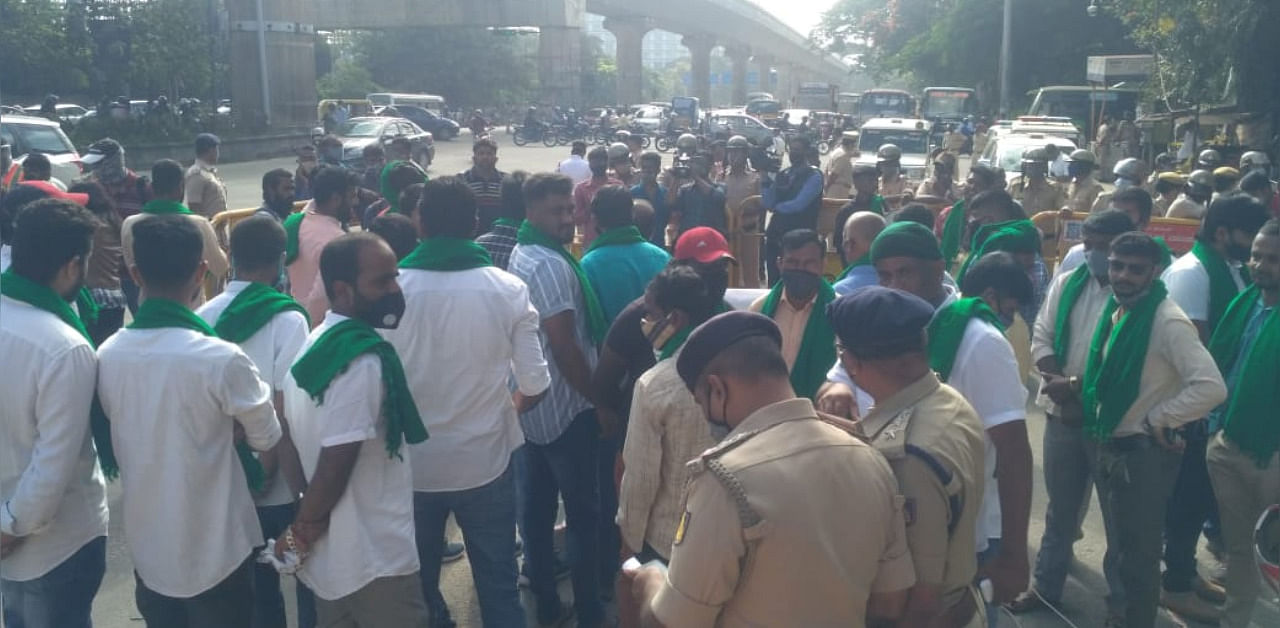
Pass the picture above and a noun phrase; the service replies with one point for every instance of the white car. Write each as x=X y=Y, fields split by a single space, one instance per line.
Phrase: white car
x=650 y=117
x=25 y=134
x=1006 y=150
x=67 y=112
x=910 y=135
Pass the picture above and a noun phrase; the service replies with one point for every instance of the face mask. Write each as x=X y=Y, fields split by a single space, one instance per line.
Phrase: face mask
x=1005 y=319
x=1239 y=252
x=1076 y=170
x=800 y=284
x=1098 y=262
x=382 y=313
x=719 y=429
x=889 y=172
x=658 y=333
x=1123 y=183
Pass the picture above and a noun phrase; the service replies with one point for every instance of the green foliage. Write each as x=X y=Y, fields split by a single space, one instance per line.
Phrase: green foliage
x=37 y=54
x=468 y=66
x=347 y=80
x=170 y=49
x=599 y=75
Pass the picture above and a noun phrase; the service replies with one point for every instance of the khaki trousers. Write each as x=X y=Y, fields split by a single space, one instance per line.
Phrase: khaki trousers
x=391 y=602
x=1243 y=490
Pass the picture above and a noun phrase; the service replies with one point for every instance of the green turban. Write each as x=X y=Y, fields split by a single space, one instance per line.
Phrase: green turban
x=1012 y=236
x=905 y=239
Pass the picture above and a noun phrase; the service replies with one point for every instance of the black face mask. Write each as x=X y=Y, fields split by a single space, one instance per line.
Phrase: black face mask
x=800 y=284
x=382 y=313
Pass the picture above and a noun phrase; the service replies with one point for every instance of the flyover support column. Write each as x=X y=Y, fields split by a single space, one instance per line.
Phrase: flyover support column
x=288 y=27
x=786 y=80
x=559 y=64
x=739 y=55
x=765 y=73
x=700 y=46
x=630 y=34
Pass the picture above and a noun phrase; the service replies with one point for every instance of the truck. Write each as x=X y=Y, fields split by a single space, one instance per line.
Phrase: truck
x=815 y=96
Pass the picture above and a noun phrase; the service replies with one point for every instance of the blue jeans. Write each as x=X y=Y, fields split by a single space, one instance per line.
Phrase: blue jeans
x=566 y=466
x=62 y=598
x=487 y=516
x=268 y=600
x=610 y=536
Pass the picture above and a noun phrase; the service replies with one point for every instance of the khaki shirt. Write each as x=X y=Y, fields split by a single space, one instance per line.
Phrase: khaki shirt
x=935 y=418
x=1185 y=207
x=1082 y=194
x=892 y=191
x=839 y=176
x=791 y=321
x=816 y=527
x=205 y=193
x=1037 y=196
x=738 y=188
x=217 y=260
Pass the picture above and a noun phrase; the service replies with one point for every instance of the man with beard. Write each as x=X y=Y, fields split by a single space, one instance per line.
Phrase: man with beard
x=952 y=221
x=277 y=194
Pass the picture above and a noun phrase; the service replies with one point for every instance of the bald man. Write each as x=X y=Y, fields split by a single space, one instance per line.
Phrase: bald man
x=859 y=231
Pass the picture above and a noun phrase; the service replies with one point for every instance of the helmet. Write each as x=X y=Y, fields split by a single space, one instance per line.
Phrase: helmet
x=687 y=143
x=889 y=152
x=1201 y=177
x=737 y=141
x=1209 y=159
x=1164 y=162
x=1084 y=156
x=1035 y=155
x=622 y=135
x=533 y=110
x=1130 y=168
x=1254 y=160
x=618 y=150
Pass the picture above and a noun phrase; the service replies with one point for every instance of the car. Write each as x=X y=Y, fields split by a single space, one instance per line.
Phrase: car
x=1005 y=151
x=1055 y=126
x=438 y=126
x=25 y=134
x=650 y=117
x=357 y=133
x=910 y=135
x=67 y=112
x=732 y=122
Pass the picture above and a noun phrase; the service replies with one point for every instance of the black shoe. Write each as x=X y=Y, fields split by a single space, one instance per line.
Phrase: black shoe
x=560 y=570
x=453 y=552
x=560 y=617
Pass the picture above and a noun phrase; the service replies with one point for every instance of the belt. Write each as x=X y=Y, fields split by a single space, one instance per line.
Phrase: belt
x=1126 y=444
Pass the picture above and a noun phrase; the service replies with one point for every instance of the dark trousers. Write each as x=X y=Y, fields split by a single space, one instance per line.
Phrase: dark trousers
x=1190 y=507
x=610 y=536
x=229 y=604
x=62 y=598
x=487 y=516
x=268 y=599
x=566 y=466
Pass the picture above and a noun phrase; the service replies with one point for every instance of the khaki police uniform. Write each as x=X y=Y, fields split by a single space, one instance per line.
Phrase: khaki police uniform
x=839 y=175
x=1082 y=194
x=892 y=191
x=1037 y=196
x=933 y=440
x=791 y=521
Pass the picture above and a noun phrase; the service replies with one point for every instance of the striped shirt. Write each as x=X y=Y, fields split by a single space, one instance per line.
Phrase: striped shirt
x=553 y=289
x=499 y=242
x=488 y=191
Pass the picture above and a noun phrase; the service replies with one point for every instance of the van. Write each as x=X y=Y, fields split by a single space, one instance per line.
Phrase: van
x=1083 y=104
x=427 y=101
x=910 y=135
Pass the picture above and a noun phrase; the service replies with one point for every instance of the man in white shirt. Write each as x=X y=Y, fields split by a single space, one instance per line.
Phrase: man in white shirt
x=53 y=520
x=575 y=166
x=1136 y=202
x=270 y=327
x=350 y=414
x=175 y=394
x=463 y=312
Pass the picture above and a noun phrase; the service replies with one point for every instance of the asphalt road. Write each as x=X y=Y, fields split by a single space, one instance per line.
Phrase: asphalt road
x=1083 y=601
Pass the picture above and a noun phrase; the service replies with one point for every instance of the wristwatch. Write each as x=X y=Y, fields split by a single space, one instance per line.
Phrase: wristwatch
x=1074 y=382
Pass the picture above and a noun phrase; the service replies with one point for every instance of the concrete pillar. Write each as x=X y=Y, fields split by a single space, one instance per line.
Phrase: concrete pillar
x=786 y=86
x=700 y=45
x=764 y=72
x=559 y=64
x=739 y=56
x=630 y=34
x=290 y=62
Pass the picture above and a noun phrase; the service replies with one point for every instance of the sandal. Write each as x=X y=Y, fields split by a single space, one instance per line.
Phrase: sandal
x=1026 y=602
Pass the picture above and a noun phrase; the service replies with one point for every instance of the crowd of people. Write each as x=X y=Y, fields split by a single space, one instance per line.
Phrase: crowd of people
x=312 y=399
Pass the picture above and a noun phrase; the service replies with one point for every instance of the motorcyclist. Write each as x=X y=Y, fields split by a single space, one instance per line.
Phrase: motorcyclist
x=533 y=126
x=478 y=124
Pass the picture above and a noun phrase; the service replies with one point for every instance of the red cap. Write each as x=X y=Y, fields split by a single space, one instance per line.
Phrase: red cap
x=79 y=198
x=703 y=245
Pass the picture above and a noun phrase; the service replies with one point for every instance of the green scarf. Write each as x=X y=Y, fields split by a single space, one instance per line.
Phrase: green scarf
x=389 y=193
x=1249 y=417
x=1012 y=236
x=162 y=313
x=507 y=222
x=946 y=331
x=447 y=254
x=678 y=339
x=952 y=232
x=818 y=344
x=20 y=288
x=333 y=352
x=253 y=308
x=618 y=236
x=877 y=204
x=530 y=235
x=86 y=307
x=292 y=225
x=1111 y=383
x=164 y=206
x=1222 y=287
x=1072 y=288
x=865 y=260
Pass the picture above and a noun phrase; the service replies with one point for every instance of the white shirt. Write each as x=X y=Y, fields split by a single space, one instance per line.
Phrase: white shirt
x=1071 y=261
x=1058 y=167
x=272 y=350
x=1188 y=284
x=50 y=483
x=6 y=257
x=174 y=397
x=371 y=530
x=576 y=168
x=475 y=326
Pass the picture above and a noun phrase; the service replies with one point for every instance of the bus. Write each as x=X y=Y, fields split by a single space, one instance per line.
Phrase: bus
x=815 y=96
x=950 y=104
x=847 y=103
x=885 y=103
x=1084 y=104
x=427 y=101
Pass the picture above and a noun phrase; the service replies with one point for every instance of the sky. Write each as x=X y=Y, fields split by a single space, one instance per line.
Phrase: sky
x=801 y=15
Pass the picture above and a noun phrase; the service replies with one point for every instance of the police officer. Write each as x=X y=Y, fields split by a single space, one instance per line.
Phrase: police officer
x=794 y=196
x=933 y=440
x=1208 y=159
x=1033 y=188
x=1195 y=197
x=1128 y=172
x=839 y=172
x=751 y=549
x=894 y=187
x=1084 y=188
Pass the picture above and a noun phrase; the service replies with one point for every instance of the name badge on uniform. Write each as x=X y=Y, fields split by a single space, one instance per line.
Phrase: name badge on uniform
x=684 y=524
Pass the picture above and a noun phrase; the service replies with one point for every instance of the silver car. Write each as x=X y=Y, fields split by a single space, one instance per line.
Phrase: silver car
x=25 y=134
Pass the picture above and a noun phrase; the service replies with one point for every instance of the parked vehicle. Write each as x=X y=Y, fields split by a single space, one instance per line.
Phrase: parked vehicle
x=910 y=135
x=25 y=134
x=438 y=126
x=1006 y=150
x=67 y=112
x=357 y=133
x=426 y=101
x=725 y=123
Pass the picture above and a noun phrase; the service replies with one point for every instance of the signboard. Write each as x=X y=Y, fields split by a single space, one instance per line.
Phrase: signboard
x=1114 y=68
x=1178 y=233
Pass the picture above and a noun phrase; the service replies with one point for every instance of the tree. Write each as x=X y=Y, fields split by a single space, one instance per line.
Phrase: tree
x=38 y=56
x=468 y=66
x=170 y=49
x=347 y=80
x=599 y=76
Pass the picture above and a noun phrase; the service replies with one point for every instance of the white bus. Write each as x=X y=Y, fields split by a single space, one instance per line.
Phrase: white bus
x=426 y=101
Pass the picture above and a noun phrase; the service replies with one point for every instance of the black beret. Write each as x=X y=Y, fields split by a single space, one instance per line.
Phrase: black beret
x=878 y=322
x=715 y=335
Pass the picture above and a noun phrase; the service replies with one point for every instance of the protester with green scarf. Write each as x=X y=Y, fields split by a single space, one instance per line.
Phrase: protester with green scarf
x=981 y=178
x=178 y=396
x=798 y=304
x=1242 y=459
x=54 y=515
x=167 y=186
x=1147 y=375
x=620 y=262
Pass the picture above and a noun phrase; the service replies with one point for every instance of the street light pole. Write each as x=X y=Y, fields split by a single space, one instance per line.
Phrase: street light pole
x=1005 y=45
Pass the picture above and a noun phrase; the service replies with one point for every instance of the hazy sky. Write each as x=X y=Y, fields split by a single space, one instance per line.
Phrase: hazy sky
x=801 y=15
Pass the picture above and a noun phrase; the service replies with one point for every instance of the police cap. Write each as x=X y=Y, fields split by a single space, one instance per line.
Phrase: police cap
x=717 y=334
x=877 y=322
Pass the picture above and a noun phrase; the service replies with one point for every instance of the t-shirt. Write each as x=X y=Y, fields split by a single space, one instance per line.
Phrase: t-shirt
x=626 y=339
x=620 y=273
x=1188 y=284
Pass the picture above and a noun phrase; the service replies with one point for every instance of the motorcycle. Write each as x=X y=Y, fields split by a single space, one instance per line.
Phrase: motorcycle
x=523 y=135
